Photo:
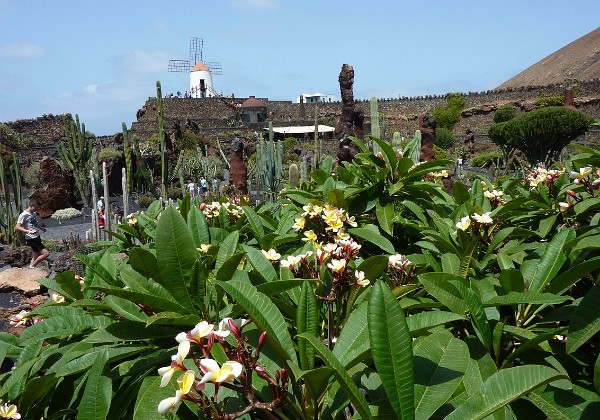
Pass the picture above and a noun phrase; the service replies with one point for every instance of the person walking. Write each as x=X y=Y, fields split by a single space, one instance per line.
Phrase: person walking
x=28 y=224
x=100 y=204
x=204 y=186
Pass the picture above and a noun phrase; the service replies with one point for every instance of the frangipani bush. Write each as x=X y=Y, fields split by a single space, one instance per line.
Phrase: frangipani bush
x=370 y=292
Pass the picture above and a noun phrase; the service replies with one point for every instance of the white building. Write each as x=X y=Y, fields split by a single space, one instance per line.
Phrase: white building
x=201 y=84
x=313 y=98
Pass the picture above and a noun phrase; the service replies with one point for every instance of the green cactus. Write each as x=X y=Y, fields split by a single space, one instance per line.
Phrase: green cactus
x=10 y=179
x=269 y=164
x=77 y=157
x=375 y=127
x=128 y=160
x=396 y=141
x=294 y=175
x=318 y=145
x=164 y=169
x=303 y=169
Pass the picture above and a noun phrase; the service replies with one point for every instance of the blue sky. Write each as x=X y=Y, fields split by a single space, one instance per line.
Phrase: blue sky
x=102 y=59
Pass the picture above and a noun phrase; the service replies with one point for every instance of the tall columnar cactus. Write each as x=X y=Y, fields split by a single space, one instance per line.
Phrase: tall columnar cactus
x=294 y=175
x=164 y=169
x=76 y=157
x=303 y=169
x=269 y=163
x=416 y=147
x=375 y=127
x=396 y=141
x=127 y=152
x=10 y=179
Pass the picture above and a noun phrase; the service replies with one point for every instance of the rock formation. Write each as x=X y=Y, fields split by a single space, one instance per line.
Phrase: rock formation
x=238 y=175
x=58 y=193
x=427 y=127
x=351 y=120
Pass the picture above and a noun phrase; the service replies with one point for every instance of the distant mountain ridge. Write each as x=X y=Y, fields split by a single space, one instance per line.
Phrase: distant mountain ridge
x=579 y=60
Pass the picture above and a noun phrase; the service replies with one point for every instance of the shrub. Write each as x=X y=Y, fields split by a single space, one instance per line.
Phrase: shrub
x=145 y=200
x=68 y=213
x=487 y=159
x=550 y=101
x=108 y=153
x=444 y=138
x=447 y=116
x=440 y=153
x=504 y=113
x=174 y=193
x=32 y=176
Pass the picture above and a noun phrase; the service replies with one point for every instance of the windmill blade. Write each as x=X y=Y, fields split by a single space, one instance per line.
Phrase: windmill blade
x=196 y=46
x=179 y=66
x=215 y=67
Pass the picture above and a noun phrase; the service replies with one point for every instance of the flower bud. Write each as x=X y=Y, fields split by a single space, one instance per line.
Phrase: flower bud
x=261 y=341
x=234 y=330
x=572 y=193
x=284 y=376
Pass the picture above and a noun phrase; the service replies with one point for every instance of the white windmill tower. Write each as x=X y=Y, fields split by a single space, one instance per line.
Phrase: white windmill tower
x=201 y=84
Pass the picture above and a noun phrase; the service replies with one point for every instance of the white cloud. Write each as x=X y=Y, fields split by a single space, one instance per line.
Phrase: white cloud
x=256 y=4
x=22 y=51
x=143 y=62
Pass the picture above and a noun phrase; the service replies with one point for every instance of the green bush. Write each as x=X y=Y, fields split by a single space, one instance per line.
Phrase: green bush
x=32 y=176
x=444 y=138
x=550 y=101
x=109 y=153
x=440 y=153
x=504 y=113
x=485 y=160
x=447 y=116
x=174 y=193
x=144 y=201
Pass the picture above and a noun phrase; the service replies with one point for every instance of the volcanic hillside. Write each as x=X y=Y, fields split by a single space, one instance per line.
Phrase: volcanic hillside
x=580 y=60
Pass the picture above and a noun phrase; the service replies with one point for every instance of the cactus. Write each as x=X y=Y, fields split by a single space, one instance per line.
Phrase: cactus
x=413 y=148
x=396 y=141
x=128 y=161
x=78 y=156
x=164 y=169
x=269 y=164
x=318 y=144
x=10 y=178
x=294 y=175
x=375 y=127
x=303 y=169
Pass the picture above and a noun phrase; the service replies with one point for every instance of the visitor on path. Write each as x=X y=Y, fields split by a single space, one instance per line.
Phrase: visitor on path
x=204 y=186
x=214 y=185
x=28 y=224
x=100 y=204
x=101 y=219
x=191 y=189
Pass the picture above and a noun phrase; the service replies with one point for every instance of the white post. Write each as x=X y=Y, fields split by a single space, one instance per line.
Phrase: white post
x=107 y=221
x=95 y=227
x=125 y=193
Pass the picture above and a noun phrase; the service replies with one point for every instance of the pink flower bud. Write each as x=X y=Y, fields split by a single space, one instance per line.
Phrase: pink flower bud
x=284 y=376
x=572 y=193
x=234 y=330
x=261 y=341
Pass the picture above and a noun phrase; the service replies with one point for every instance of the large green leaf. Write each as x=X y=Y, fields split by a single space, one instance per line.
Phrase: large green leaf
x=265 y=315
x=568 y=278
x=345 y=381
x=262 y=266
x=585 y=321
x=538 y=273
x=255 y=223
x=440 y=363
x=353 y=343
x=385 y=217
x=307 y=321
x=504 y=387
x=198 y=227
x=423 y=321
x=149 y=395
x=391 y=348
x=567 y=404
x=144 y=261
x=227 y=248
x=62 y=327
x=371 y=235
x=175 y=255
x=439 y=286
x=517 y=298
x=478 y=316
x=125 y=308
x=97 y=395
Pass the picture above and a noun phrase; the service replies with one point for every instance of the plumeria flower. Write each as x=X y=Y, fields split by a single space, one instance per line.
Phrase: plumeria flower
x=583 y=172
x=81 y=281
x=9 y=411
x=341 y=235
x=213 y=373
x=337 y=266
x=329 y=248
x=360 y=278
x=56 y=298
x=484 y=218
x=170 y=404
x=350 y=220
x=186 y=381
x=309 y=236
x=203 y=248
x=464 y=223
x=19 y=319
x=299 y=223
x=334 y=225
x=132 y=219
x=564 y=206
x=398 y=261
x=166 y=373
x=271 y=254
x=290 y=262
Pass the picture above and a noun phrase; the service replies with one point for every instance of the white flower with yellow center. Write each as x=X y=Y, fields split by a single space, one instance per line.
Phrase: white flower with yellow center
x=398 y=261
x=564 y=206
x=337 y=266
x=19 y=319
x=299 y=224
x=484 y=218
x=213 y=373
x=56 y=298
x=583 y=172
x=309 y=236
x=334 y=225
x=290 y=262
x=166 y=373
x=9 y=412
x=360 y=278
x=350 y=220
x=271 y=254
x=464 y=223
x=185 y=383
x=341 y=236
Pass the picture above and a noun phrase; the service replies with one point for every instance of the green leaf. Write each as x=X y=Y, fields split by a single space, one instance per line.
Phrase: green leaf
x=439 y=286
x=227 y=248
x=62 y=327
x=265 y=315
x=373 y=266
x=585 y=321
x=370 y=235
x=144 y=261
x=307 y=321
x=534 y=298
x=423 y=321
x=70 y=286
x=353 y=343
x=385 y=217
x=255 y=223
x=198 y=227
x=262 y=266
x=478 y=316
x=173 y=318
x=149 y=396
x=440 y=363
x=538 y=273
x=125 y=308
x=504 y=387
x=391 y=348
x=345 y=381
x=97 y=395
x=175 y=255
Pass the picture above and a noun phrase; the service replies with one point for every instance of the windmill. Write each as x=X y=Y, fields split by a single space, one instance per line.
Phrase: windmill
x=201 y=72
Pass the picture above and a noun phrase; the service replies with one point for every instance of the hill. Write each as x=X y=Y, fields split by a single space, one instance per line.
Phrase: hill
x=579 y=60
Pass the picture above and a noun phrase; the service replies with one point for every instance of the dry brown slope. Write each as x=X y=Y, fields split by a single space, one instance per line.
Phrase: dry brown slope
x=578 y=60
